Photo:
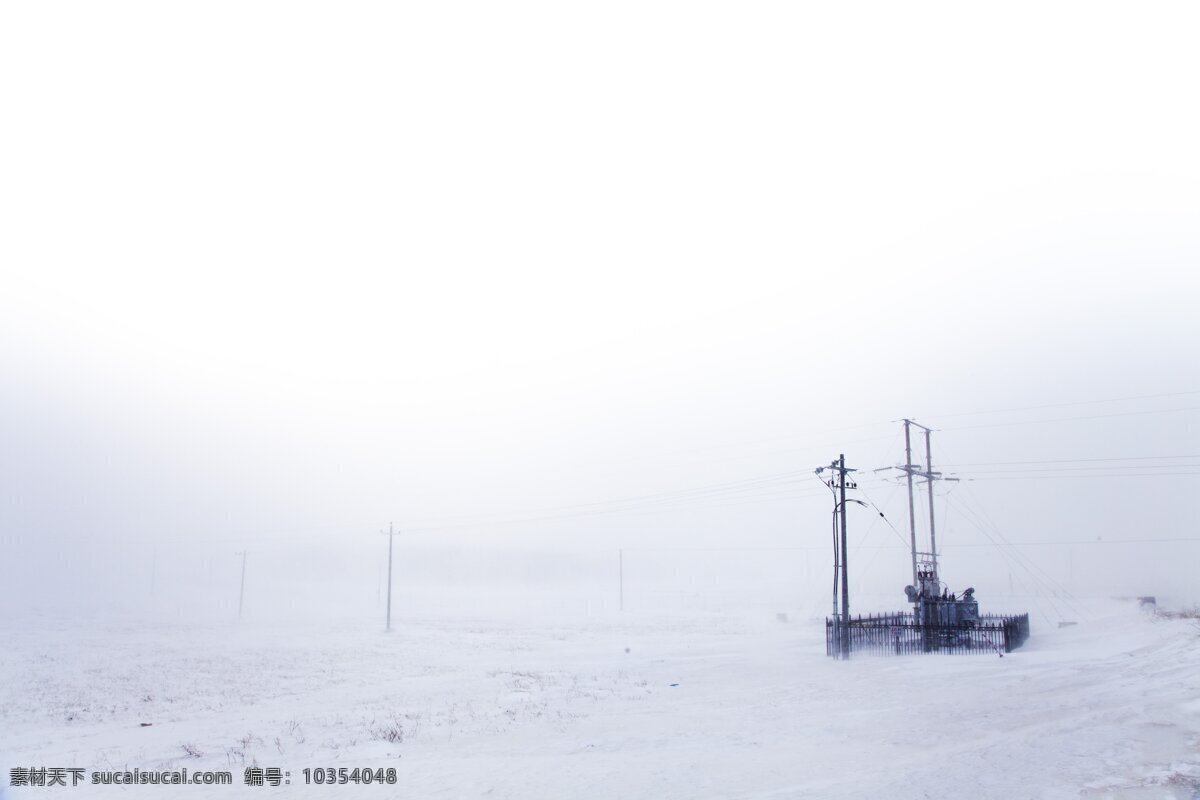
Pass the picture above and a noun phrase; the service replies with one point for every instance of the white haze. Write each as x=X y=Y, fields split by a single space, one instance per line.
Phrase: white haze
x=278 y=275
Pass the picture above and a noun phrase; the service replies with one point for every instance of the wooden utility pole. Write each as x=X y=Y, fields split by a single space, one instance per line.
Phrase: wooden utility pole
x=242 y=592
x=621 y=578
x=839 y=485
x=845 y=559
x=391 y=533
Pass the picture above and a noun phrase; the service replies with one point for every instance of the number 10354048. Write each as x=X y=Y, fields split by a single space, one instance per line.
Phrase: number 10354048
x=347 y=775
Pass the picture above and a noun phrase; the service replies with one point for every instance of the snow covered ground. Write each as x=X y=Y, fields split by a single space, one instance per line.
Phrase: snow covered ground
x=629 y=706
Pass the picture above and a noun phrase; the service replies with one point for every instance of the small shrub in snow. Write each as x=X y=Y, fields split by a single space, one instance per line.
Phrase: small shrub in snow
x=392 y=731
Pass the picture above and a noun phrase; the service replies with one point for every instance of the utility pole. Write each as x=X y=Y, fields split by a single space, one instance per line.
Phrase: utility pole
x=621 y=578
x=839 y=485
x=242 y=593
x=391 y=533
x=931 y=476
x=912 y=514
x=845 y=559
x=910 y=470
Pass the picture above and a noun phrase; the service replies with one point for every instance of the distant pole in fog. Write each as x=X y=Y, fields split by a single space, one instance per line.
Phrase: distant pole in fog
x=391 y=533
x=621 y=574
x=242 y=592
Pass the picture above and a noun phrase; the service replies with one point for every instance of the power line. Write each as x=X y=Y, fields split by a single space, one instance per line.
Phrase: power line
x=715 y=488
x=1053 y=477
x=782 y=437
x=783 y=485
x=664 y=504
x=871 y=560
x=1067 y=405
x=899 y=535
x=1041 y=542
x=1013 y=559
x=1066 y=461
x=1086 y=469
x=980 y=519
x=1073 y=419
x=970 y=503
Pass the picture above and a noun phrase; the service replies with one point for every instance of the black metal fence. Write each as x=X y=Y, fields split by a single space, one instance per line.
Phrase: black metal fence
x=895 y=634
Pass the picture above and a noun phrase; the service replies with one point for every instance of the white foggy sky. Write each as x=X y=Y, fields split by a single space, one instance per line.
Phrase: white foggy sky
x=270 y=267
